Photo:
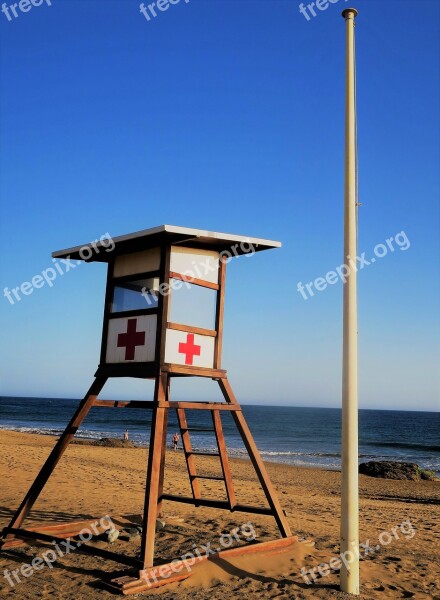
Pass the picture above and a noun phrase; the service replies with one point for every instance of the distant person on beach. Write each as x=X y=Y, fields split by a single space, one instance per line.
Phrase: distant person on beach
x=126 y=435
x=175 y=440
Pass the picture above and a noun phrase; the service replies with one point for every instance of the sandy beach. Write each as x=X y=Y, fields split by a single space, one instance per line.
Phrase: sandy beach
x=399 y=521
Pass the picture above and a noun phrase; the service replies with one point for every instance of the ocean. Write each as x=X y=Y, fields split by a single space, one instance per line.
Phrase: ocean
x=292 y=435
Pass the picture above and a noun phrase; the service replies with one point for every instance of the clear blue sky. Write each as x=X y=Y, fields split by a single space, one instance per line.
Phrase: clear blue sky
x=226 y=115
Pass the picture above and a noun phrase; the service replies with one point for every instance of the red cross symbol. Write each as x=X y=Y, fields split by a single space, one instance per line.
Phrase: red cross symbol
x=189 y=349
x=131 y=339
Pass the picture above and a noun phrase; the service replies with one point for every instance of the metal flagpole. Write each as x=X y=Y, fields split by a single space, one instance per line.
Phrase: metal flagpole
x=349 y=575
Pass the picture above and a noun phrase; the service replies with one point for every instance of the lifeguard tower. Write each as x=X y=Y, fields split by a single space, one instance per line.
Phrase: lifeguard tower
x=154 y=276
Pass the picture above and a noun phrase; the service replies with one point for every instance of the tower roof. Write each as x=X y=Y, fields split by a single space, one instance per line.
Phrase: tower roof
x=165 y=235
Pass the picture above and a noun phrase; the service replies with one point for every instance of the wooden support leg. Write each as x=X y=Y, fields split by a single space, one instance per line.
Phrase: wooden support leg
x=154 y=472
x=255 y=457
x=56 y=454
x=163 y=454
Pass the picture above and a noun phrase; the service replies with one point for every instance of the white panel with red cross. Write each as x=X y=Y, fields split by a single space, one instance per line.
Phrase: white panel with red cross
x=191 y=349
x=131 y=339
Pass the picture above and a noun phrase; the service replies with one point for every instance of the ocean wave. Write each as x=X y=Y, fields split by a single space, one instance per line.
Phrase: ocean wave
x=403 y=446
x=291 y=453
x=329 y=460
x=37 y=430
x=85 y=434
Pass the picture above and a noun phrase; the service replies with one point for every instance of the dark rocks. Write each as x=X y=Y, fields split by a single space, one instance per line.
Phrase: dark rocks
x=160 y=523
x=395 y=470
x=106 y=442
x=114 y=443
x=112 y=535
x=132 y=532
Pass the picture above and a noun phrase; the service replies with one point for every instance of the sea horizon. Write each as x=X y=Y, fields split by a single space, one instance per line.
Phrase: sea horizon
x=434 y=412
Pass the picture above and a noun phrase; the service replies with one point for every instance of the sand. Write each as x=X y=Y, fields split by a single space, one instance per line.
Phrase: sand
x=92 y=482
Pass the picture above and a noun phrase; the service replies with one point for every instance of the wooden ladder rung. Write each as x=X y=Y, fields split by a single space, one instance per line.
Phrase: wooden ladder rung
x=187 y=448
x=213 y=477
x=197 y=501
x=198 y=429
x=221 y=444
x=259 y=510
x=222 y=454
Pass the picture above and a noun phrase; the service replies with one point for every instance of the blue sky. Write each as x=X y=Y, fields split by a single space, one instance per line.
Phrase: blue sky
x=225 y=115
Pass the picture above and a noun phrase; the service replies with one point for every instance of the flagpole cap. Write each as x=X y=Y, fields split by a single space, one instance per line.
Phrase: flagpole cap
x=346 y=13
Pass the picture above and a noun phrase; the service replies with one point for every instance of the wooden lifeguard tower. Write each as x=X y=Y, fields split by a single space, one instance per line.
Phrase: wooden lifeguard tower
x=150 y=273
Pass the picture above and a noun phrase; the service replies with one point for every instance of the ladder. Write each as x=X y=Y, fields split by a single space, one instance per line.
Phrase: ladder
x=190 y=455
